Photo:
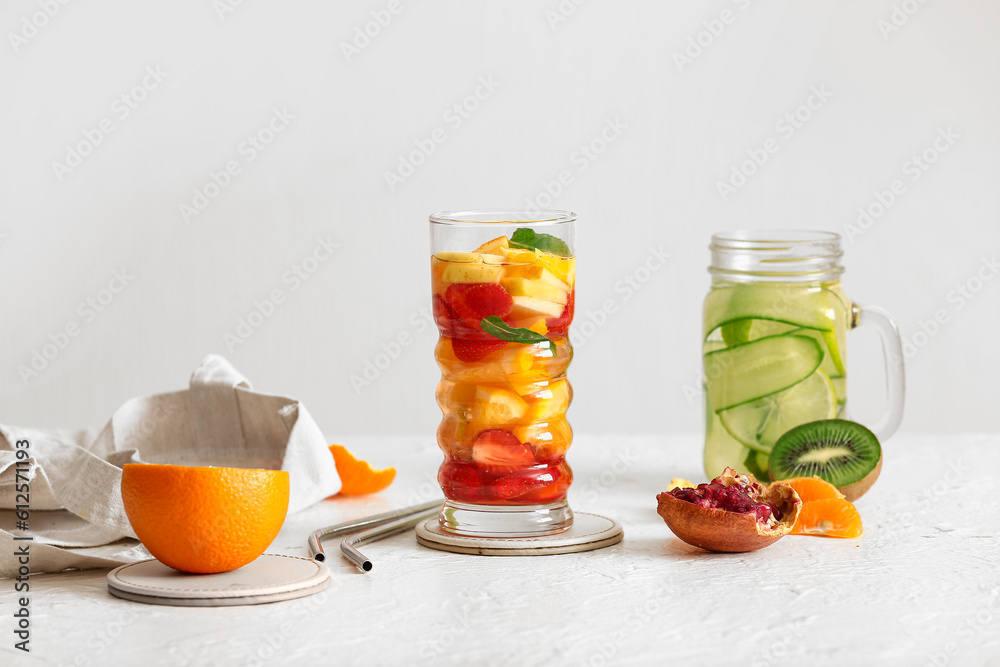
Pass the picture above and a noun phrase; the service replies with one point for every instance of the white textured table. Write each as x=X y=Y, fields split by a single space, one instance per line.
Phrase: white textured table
x=921 y=587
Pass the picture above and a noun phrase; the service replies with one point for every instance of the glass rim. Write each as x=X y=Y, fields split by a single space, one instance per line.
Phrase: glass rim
x=503 y=216
x=770 y=237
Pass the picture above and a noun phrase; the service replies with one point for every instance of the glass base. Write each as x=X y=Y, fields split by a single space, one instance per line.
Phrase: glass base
x=505 y=520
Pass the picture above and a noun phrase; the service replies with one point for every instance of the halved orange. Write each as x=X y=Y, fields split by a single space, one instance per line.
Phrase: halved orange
x=357 y=477
x=829 y=517
x=813 y=488
x=201 y=519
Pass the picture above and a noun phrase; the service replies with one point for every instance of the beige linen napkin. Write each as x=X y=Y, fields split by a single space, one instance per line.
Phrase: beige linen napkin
x=76 y=515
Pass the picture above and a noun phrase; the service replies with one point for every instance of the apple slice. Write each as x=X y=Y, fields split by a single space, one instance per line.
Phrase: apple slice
x=536 y=289
x=526 y=307
x=471 y=273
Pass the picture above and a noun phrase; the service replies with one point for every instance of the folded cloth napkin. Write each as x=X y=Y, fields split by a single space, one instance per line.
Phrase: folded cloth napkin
x=77 y=519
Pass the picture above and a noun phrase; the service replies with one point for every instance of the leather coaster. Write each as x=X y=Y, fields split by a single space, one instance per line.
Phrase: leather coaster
x=270 y=578
x=588 y=532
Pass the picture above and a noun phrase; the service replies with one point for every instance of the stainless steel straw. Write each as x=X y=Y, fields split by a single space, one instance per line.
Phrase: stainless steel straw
x=371 y=528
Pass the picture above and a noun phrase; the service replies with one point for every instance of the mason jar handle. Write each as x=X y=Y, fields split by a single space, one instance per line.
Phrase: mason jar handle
x=895 y=376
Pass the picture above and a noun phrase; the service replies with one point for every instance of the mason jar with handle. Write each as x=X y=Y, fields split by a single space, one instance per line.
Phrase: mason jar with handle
x=775 y=344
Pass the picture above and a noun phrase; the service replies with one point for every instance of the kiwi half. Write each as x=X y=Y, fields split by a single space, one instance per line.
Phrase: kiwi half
x=842 y=452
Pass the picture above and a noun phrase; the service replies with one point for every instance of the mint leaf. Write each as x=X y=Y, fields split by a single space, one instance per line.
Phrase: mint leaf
x=497 y=328
x=528 y=239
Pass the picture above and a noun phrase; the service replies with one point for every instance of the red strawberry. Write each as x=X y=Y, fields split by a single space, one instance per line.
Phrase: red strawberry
x=501 y=451
x=559 y=326
x=444 y=316
x=462 y=481
x=474 y=350
x=540 y=485
x=475 y=301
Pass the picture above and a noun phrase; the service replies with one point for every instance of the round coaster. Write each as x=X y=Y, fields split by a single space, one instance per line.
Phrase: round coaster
x=589 y=531
x=270 y=578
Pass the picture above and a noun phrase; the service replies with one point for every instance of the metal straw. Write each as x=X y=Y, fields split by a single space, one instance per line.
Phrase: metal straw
x=380 y=525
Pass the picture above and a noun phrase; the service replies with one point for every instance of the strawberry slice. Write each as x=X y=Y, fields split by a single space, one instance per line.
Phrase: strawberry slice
x=539 y=485
x=473 y=350
x=500 y=450
x=559 y=326
x=472 y=302
x=444 y=316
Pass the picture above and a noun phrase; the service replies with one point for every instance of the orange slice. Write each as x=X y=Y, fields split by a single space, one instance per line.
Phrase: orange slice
x=201 y=519
x=813 y=488
x=829 y=517
x=358 y=477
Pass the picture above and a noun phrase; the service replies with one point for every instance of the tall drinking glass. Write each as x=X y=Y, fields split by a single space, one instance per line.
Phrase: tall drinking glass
x=502 y=283
x=775 y=344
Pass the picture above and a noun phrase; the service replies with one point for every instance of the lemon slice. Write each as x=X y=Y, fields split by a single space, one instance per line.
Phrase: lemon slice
x=760 y=423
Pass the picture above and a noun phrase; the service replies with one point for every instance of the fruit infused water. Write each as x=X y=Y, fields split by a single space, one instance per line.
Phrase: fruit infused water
x=773 y=359
x=503 y=310
x=775 y=344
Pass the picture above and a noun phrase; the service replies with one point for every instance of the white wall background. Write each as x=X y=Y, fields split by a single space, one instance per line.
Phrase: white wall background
x=558 y=82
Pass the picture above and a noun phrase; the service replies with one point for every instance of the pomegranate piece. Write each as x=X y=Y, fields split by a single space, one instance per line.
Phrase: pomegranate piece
x=731 y=513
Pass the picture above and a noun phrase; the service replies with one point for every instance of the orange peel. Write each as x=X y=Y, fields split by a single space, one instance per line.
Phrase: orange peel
x=357 y=477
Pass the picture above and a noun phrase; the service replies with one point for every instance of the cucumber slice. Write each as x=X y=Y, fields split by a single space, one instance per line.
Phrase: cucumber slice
x=744 y=331
x=760 y=423
x=747 y=372
x=810 y=307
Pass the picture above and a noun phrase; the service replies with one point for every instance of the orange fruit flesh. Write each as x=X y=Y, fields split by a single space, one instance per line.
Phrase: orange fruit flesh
x=828 y=517
x=813 y=488
x=358 y=477
x=202 y=519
